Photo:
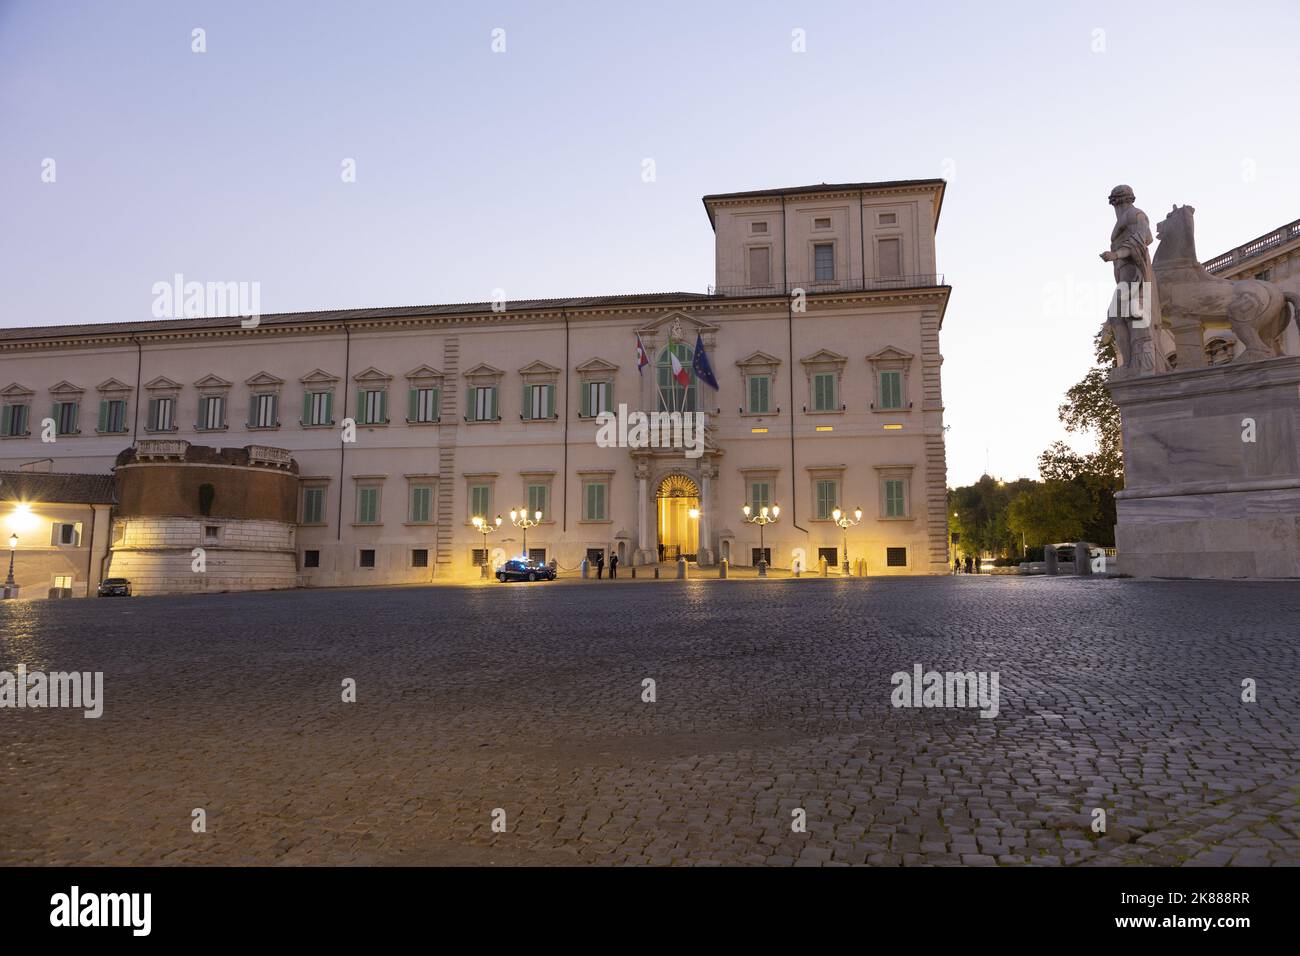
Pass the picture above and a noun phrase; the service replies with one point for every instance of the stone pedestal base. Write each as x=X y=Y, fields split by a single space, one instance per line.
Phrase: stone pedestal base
x=1211 y=470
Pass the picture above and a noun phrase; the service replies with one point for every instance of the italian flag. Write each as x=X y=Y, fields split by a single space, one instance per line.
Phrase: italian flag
x=679 y=373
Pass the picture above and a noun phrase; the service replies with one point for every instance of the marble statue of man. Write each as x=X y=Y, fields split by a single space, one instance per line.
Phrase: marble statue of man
x=1135 y=309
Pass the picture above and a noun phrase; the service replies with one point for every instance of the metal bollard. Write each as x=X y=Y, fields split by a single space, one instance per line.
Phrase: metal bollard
x=681 y=569
x=722 y=568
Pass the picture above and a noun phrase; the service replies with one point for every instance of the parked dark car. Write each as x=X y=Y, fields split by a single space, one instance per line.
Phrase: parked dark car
x=115 y=587
x=519 y=569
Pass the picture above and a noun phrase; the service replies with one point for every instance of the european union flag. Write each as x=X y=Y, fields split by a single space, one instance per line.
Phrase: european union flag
x=703 y=370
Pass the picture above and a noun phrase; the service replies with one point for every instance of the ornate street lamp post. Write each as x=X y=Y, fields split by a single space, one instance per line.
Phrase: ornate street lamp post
x=485 y=528
x=763 y=517
x=521 y=520
x=845 y=522
x=9 y=581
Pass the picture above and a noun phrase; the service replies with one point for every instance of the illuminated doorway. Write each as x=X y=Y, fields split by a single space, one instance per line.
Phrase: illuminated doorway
x=677 y=499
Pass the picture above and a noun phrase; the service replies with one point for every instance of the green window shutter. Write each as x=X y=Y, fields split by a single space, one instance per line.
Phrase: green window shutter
x=306 y=408
x=103 y=416
x=493 y=415
x=383 y=405
x=470 y=408
x=76 y=413
x=153 y=412
x=550 y=401
x=435 y=403
x=584 y=400
x=609 y=396
x=526 y=406
x=329 y=407
x=6 y=420
x=361 y=406
x=413 y=405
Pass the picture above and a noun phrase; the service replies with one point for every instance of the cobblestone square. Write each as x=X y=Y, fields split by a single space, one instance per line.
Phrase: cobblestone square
x=771 y=696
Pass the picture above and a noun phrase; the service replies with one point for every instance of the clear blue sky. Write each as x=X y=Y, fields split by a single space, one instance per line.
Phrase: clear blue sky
x=522 y=170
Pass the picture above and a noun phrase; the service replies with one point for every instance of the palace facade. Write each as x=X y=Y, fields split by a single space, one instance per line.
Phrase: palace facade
x=401 y=425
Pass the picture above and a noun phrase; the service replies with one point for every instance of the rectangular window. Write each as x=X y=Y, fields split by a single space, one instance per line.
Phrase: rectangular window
x=313 y=505
x=212 y=412
x=162 y=413
x=366 y=558
x=112 y=416
x=760 y=554
x=479 y=557
x=264 y=411
x=15 y=420
x=311 y=559
x=823 y=261
x=62 y=582
x=318 y=408
x=760 y=394
x=372 y=403
x=539 y=402
x=760 y=496
x=830 y=554
x=424 y=405
x=891 y=258
x=421 y=504
x=368 y=504
x=888 y=218
x=211 y=534
x=537 y=555
x=828 y=497
x=66 y=535
x=596 y=496
x=483 y=403
x=895 y=498
x=419 y=557
x=537 y=495
x=824 y=392
x=758 y=228
x=65 y=418
x=891 y=389
x=760 y=266
x=480 y=501
x=822 y=222
x=595 y=399
x=896 y=557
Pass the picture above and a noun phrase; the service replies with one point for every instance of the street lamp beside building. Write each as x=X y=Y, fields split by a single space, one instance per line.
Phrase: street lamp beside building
x=10 y=586
x=521 y=520
x=485 y=528
x=845 y=522
x=764 y=517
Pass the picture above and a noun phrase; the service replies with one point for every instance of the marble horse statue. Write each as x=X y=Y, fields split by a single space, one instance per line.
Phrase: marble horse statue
x=1192 y=300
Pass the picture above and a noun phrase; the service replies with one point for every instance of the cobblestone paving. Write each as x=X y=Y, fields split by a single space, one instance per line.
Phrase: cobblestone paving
x=772 y=695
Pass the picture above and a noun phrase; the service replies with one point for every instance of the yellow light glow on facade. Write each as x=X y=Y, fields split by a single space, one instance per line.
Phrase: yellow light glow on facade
x=758 y=431
x=826 y=428
x=21 y=518
x=892 y=428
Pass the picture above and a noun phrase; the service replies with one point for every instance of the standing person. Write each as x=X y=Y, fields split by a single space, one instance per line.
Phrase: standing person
x=970 y=564
x=613 y=566
x=978 y=564
x=956 y=565
x=600 y=565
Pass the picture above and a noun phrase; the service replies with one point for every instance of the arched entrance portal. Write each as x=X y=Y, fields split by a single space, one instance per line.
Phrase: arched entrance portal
x=677 y=503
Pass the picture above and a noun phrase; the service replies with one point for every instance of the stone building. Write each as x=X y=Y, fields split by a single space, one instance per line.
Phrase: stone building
x=821 y=331
x=55 y=528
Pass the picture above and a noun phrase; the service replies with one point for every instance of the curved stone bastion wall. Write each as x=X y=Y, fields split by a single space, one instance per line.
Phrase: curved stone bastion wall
x=191 y=518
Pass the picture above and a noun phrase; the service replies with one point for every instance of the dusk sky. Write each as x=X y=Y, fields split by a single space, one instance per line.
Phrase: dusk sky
x=522 y=170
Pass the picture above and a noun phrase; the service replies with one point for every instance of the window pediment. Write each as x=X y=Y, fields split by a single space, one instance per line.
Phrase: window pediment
x=890 y=357
x=539 y=372
x=689 y=326
x=67 y=389
x=15 y=391
x=484 y=374
x=372 y=377
x=318 y=377
x=596 y=368
x=113 y=385
x=212 y=382
x=425 y=375
x=264 y=380
x=162 y=384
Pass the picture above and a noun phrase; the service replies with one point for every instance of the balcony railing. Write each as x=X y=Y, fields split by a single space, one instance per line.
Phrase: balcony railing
x=1256 y=247
x=813 y=287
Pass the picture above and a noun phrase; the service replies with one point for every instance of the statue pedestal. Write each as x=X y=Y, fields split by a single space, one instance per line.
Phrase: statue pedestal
x=1211 y=472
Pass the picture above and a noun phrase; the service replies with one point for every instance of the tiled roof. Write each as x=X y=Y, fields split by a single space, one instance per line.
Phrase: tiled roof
x=55 y=488
x=339 y=315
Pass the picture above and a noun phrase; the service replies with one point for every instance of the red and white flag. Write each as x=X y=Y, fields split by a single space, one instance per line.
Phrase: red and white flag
x=642 y=360
x=680 y=374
